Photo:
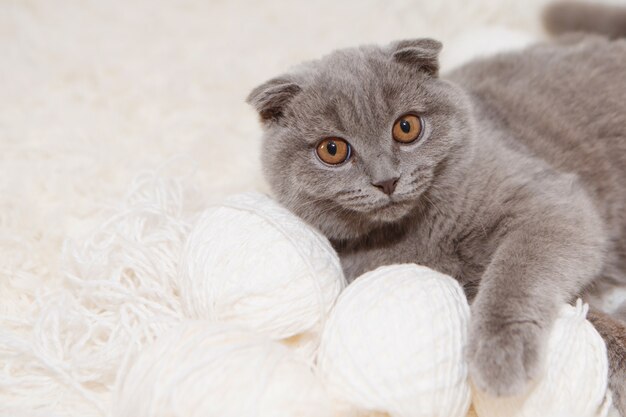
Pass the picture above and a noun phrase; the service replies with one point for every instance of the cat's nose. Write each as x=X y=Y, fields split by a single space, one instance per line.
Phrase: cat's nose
x=387 y=186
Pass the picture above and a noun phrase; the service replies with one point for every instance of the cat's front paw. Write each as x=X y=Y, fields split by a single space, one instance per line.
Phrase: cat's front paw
x=505 y=356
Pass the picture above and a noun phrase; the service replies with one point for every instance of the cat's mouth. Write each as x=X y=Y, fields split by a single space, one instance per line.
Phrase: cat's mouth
x=388 y=209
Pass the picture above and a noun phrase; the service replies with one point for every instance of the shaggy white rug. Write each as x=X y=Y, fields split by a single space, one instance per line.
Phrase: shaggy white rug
x=119 y=120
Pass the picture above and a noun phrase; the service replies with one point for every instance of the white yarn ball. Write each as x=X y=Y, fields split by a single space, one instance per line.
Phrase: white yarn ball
x=574 y=383
x=204 y=369
x=395 y=342
x=251 y=262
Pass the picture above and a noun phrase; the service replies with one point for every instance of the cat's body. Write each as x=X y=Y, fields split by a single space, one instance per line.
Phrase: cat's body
x=515 y=186
x=563 y=105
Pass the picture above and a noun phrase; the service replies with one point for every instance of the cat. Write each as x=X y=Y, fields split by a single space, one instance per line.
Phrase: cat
x=507 y=174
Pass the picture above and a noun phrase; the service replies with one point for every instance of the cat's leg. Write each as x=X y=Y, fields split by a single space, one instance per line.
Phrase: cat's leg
x=613 y=332
x=537 y=267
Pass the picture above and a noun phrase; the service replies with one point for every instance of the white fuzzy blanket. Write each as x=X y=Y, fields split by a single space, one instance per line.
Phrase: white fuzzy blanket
x=92 y=94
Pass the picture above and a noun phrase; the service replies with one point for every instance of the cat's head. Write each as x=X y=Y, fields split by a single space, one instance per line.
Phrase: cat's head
x=353 y=140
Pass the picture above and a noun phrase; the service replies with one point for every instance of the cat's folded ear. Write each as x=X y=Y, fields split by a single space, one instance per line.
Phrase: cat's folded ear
x=270 y=98
x=420 y=53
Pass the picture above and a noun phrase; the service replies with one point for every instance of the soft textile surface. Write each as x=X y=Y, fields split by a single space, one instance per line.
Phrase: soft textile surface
x=92 y=93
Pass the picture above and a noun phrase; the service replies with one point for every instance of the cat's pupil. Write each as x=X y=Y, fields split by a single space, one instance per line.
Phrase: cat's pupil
x=405 y=126
x=331 y=147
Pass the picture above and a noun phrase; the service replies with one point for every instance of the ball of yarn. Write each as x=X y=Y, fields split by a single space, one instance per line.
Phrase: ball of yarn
x=394 y=344
x=204 y=369
x=251 y=262
x=574 y=382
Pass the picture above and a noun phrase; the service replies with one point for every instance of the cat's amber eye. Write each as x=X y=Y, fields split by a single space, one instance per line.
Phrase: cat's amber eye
x=333 y=151
x=407 y=128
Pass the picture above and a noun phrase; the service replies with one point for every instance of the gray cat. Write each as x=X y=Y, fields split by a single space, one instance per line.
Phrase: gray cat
x=507 y=174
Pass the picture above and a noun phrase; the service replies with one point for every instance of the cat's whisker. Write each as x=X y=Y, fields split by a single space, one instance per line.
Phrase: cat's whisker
x=428 y=200
x=350 y=192
x=323 y=206
x=418 y=169
x=355 y=198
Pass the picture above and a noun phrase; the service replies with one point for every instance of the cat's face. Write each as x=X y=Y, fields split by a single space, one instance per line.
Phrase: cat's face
x=353 y=141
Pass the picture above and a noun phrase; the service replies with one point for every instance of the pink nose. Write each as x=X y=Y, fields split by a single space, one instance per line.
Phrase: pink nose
x=387 y=186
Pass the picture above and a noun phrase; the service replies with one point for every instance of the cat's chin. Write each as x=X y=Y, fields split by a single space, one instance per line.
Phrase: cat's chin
x=391 y=212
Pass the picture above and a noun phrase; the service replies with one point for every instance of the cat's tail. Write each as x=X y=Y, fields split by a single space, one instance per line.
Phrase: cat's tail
x=568 y=16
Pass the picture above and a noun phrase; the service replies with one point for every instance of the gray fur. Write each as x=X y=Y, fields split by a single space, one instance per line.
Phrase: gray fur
x=572 y=16
x=516 y=188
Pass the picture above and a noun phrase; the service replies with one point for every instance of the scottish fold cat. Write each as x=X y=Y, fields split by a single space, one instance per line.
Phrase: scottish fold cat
x=509 y=174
